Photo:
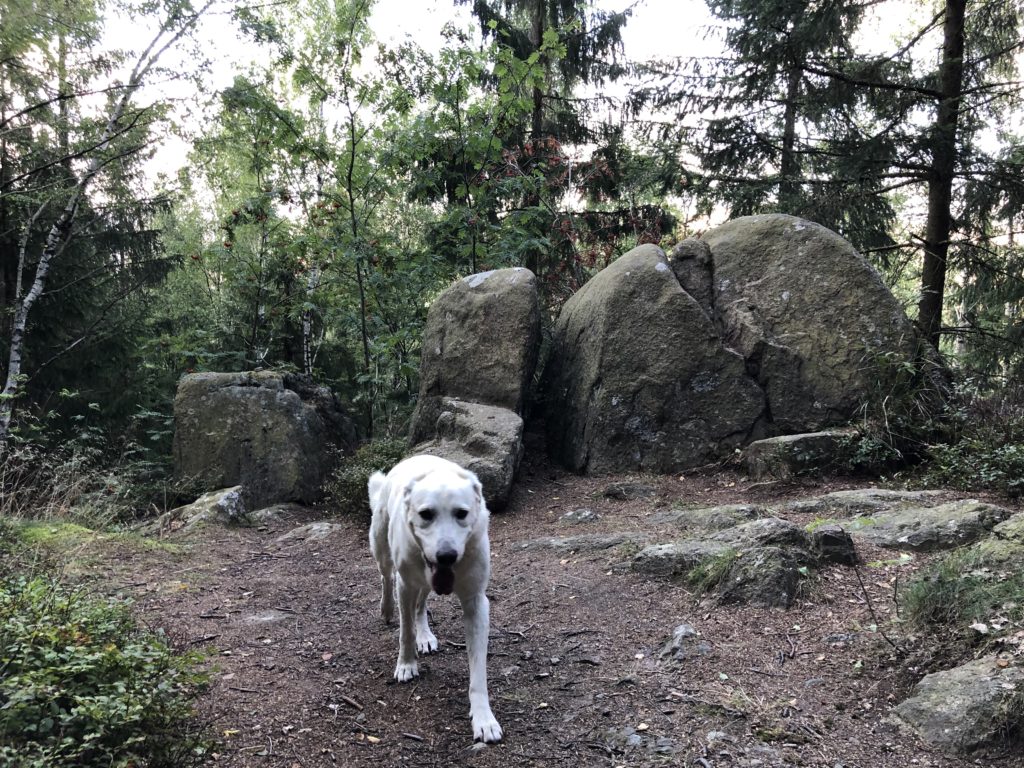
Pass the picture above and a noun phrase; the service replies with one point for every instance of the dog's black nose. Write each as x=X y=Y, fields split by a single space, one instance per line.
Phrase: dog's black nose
x=446 y=557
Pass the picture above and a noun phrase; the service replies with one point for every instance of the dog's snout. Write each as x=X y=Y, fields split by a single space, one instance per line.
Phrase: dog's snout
x=446 y=557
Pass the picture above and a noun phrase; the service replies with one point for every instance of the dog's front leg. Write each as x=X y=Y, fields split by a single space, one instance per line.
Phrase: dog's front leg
x=476 y=612
x=406 y=669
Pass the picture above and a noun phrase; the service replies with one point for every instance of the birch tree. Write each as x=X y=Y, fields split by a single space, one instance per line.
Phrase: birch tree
x=118 y=138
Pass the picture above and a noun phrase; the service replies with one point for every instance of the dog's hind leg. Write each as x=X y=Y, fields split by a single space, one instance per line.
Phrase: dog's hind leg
x=426 y=642
x=476 y=616
x=386 y=566
x=408 y=600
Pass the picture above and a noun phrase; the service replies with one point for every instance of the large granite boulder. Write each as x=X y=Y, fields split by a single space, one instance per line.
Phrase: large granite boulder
x=769 y=325
x=638 y=377
x=479 y=354
x=481 y=340
x=271 y=433
x=812 y=319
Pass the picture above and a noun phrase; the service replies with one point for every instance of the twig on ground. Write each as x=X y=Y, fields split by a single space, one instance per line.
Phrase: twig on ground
x=351 y=702
x=874 y=615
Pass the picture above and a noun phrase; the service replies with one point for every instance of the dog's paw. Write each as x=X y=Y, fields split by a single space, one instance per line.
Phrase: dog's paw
x=486 y=729
x=387 y=611
x=406 y=672
x=426 y=642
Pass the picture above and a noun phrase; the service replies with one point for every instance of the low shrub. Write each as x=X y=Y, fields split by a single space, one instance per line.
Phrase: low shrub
x=346 y=488
x=82 y=685
x=986 y=447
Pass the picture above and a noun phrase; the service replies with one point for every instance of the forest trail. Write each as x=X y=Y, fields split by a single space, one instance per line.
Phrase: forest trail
x=302 y=664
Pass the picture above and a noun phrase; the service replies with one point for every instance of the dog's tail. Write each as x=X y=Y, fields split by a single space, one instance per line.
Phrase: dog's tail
x=375 y=488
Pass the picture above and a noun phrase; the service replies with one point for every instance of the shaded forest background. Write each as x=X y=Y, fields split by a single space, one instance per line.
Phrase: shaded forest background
x=340 y=183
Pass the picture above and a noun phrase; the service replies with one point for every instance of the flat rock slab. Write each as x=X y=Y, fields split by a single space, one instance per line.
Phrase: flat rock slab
x=311 y=532
x=587 y=542
x=972 y=705
x=926 y=529
x=865 y=500
x=708 y=519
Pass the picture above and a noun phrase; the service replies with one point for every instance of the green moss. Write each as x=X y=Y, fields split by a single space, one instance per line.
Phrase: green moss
x=62 y=536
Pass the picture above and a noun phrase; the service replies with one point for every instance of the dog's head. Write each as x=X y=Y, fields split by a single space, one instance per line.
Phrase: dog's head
x=443 y=509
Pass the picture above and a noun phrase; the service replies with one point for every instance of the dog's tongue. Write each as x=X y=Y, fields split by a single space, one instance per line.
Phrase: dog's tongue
x=443 y=580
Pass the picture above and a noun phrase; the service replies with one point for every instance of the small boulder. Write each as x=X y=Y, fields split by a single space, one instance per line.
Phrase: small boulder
x=484 y=439
x=765 y=576
x=269 y=432
x=223 y=507
x=976 y=704
x=789 y=456
x=685 y=643
x=832 y=544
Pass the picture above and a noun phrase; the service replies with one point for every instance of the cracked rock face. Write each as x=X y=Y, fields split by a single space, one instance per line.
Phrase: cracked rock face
x=639 y=379
x=769 y=325
x=815 y=323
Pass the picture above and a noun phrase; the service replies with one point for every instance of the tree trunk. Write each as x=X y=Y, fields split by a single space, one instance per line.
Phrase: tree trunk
x=940 y=178
x=789 y=165
x=536 y=37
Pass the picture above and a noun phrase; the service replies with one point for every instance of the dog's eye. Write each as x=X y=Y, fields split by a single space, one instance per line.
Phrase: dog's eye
x=461 y=514
x=427 y=515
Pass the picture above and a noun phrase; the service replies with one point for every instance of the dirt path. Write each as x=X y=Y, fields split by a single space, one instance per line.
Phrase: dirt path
x=303 y=663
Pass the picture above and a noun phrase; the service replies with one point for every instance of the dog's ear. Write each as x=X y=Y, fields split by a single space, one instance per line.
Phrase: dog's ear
x=478 y=489
x=407 y=491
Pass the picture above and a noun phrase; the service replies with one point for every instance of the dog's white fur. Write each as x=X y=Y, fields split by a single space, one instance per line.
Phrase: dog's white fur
x=424 y=508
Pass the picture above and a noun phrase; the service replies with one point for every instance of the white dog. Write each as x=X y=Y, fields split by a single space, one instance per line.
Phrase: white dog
x=429 y=531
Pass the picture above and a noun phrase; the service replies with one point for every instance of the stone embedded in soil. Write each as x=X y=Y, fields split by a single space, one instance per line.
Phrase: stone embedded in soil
x=312 y=532
x=684 y=643
x=976 y=704
x=863 y=500
x=709 y=518
x=676 y=558
x=577 y=516
x=765 y=532
x=630 y=491
x=946 y=526
x=586 y=542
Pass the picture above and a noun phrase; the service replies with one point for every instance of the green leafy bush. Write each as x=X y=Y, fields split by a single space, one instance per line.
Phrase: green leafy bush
x=346 y=488
x=985 y=449
x=81 y=685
